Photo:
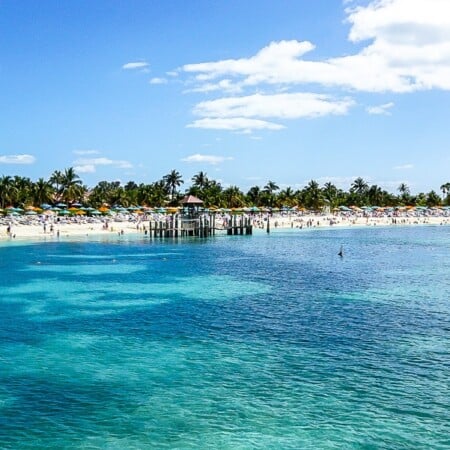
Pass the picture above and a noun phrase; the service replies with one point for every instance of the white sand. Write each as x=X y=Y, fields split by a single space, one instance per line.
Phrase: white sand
x=35 y=232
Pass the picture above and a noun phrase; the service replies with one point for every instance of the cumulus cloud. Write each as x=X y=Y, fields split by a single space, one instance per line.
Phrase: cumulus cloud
x=86 y=168
x=403 y=46
x=380 y=109
x=247 y=113
x=157 y=80
x=206 y=159
x=408 y=49
x=89 y=165
x=17 y=159
x=241 y=124
x=283 y=106
x=135 y=65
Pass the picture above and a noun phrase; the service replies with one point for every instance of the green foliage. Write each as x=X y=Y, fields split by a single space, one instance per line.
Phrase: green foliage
x=67 y=186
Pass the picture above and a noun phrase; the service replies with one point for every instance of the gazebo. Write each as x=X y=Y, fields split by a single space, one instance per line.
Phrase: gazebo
x=191 y=204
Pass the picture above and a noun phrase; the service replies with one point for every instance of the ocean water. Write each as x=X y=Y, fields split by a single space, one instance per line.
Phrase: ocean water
x=244 y=342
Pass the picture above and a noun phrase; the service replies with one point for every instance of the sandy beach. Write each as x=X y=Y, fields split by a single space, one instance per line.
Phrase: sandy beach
x=37 y=230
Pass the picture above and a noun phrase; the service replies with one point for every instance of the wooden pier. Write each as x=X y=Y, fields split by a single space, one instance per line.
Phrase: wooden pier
x=202 y=226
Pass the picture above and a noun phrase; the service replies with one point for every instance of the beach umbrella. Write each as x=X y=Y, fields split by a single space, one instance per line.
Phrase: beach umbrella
x=61 y=205
x=76 y=204
x=46 y=206
x=94 y=213
x=64 y=212
x=31 y=213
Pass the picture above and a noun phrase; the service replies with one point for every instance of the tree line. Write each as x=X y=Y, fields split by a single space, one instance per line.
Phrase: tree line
x=66 y=186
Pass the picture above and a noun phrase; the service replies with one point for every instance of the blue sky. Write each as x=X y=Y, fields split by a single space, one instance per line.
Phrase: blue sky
x=246 y=91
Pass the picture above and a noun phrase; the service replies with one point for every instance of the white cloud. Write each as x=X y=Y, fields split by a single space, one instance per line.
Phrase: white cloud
x=86 y=168
x=157 y=80
x=135 y=65
x=86 y=152
x=408 y=49
x=241 y=124
x=404 y=167
x=17 y=159
x=206 y=159
x=380 y=109
x=283 y=106
x=245 y=114
x=88 y=165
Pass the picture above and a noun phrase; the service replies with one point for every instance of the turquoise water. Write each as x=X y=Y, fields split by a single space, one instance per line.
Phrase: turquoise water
x=246 y=342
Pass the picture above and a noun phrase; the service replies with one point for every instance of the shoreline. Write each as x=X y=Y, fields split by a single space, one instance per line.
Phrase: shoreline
x=34 y=233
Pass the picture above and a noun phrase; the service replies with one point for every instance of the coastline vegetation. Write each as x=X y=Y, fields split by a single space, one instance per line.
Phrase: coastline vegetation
x=67 y=186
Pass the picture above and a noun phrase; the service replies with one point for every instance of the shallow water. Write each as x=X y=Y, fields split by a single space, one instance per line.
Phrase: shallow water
x=234 y=342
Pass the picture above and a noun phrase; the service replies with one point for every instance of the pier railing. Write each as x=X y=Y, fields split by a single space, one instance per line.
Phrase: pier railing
x=177 y=225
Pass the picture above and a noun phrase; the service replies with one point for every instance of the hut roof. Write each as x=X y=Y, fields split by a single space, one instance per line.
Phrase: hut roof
x=191 y=200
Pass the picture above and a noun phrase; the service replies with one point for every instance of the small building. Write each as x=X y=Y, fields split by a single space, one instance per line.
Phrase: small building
x=191 y=205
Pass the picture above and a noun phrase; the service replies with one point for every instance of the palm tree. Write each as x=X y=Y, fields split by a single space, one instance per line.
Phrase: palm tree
x=287 y=197
x=404 y=192
x=445 y=188
x=7 y=191
x=23 y=187
x=42 y=192
x=234 y=197
x=313 y=195
x=173 y=180
x=375 y=195
x=254 y=195
x=360 y=188
x=330 y=193
x=433 y=199
x=200 y=180
x=271 y=187
x=71 y=187
x=269 y=191
x=212 y=194
x=56 y=180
